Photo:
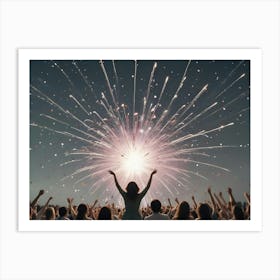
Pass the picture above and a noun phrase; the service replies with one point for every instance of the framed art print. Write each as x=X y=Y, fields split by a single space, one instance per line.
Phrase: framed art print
x=139 y=139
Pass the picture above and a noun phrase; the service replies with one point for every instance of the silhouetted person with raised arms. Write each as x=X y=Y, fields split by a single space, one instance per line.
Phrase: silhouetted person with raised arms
x=132 y=197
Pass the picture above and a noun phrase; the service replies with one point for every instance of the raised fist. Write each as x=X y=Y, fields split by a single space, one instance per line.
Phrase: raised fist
x=70 y=200
x=41 y=192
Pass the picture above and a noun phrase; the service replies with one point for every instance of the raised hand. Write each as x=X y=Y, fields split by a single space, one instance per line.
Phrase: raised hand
x=148 y=184
x=231 y=197
x=94 y=203
x=34 y=202
x=43 y=209
x=70 y=200
x=154 y=172
x=41 y=192
x=247 y=196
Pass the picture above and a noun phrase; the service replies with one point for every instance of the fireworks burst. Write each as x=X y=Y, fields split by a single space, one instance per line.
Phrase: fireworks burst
x=169 y=124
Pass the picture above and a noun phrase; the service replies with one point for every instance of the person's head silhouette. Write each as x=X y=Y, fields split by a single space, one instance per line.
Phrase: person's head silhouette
x=183 y=211
x=50 y=213
x=62 y=211
x=238 y=213
x=105 y=214
x=204 y=211
x=82 y=211
x=156 y=205
x=132 y=190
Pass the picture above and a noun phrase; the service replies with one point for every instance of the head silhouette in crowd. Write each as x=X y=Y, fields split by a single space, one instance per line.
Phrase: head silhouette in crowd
x=238 y=213
x=82 y=212
x=105 y=214
x=156 y=206
x=50 y=213
x=204 y=212
x=183 y=211
x=62 y=211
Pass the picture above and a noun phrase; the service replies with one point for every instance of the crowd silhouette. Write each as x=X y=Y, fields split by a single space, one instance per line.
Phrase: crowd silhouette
x=216 y=208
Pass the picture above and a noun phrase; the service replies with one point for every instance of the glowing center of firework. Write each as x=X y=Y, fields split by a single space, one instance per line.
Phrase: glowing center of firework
x=134 y=162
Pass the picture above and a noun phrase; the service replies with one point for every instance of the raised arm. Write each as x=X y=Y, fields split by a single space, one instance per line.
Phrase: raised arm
x=247 y=197
x=95 y=202
x=122 y=192
x=220 y=203
x=34 y=202
x=148 y=184
x=231 y=197
x=43 y=209
x=169 y=202
x=222 y=199
x=71 y=208
x=212 y=199
x=194 y=203
x=171 y=209
x=177 y=201
x=224 y=210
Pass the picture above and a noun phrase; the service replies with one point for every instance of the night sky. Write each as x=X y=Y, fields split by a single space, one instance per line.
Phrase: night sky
x=65 y=94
